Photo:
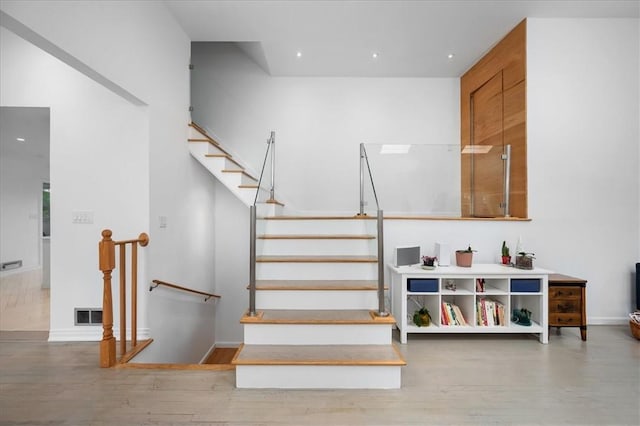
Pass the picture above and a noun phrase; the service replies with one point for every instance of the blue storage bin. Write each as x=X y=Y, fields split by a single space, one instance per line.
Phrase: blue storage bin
x=525 y=285
x=422 y=285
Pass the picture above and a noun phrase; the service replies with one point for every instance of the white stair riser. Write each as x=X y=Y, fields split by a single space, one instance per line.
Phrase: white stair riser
x=317 y=334
x=268 y=209
x=313 y=299
x=317 y=377
x=238 y=178
x=246 y=195
x=199 y=149
x=317 y=247
x=316 y=271
x=346 y=226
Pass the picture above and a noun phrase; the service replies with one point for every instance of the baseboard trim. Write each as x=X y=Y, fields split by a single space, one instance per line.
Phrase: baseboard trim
x=89 y=334
x=20 y=270
x=608 y=321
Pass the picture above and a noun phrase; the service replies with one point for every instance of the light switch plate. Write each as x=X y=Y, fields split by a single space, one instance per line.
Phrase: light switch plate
x=84 y=217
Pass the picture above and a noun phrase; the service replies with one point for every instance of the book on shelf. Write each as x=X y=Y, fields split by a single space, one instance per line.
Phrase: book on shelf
x=451 y=314
x=490 y=313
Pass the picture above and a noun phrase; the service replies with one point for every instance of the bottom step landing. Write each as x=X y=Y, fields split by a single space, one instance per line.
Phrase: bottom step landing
x=318 y=367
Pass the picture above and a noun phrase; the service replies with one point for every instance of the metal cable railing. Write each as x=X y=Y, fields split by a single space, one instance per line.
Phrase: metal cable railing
x=269 y=154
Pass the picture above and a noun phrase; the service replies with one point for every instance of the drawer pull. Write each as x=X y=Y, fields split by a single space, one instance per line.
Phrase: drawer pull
x=565 y=308
x=566 y=321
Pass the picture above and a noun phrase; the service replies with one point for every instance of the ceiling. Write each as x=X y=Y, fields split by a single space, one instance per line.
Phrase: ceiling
x=339 y=38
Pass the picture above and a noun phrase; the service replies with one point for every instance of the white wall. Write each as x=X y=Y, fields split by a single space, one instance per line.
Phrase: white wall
x=582 y=143
x=139 y=47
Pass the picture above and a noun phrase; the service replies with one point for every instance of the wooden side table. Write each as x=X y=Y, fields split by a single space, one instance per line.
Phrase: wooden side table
x=567 y=303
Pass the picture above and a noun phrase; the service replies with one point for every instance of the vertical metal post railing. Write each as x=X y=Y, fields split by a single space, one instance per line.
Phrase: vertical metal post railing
x=382 y=312
x=252 y=260
x=253 y=219
x=364 y=163
x=272 y=145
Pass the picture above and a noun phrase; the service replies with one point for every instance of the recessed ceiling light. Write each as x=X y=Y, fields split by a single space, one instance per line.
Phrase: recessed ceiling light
x=374 y=55
x=450 y=55
x=20 y=139
x=298 y=54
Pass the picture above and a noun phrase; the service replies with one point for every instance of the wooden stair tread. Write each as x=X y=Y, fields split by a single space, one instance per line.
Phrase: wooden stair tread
x=239 y=171
x=225 y=155
x=316 y=317
x=317 y=259
x=274 y=201
x=347 y=285
x=354 y=217
x=315 y=237
x=204 y=133
x=383 y=355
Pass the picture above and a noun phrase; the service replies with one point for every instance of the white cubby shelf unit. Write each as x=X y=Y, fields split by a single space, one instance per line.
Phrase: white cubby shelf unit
x=514 y=288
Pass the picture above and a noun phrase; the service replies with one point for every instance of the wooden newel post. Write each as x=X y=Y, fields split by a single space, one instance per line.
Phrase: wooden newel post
x=107 y=263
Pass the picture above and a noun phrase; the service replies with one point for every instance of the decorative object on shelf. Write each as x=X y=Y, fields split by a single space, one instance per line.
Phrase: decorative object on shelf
x=464 y=258
x=480 y=285
x=634 y=323
x=421 y=317
x=506 y=257
x=450 y=285
x=429 y=262
x=521 y=317
x=524 y=260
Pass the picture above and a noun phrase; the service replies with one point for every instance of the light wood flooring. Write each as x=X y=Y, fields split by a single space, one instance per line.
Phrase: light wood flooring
x=24 y=304
x=449 y=379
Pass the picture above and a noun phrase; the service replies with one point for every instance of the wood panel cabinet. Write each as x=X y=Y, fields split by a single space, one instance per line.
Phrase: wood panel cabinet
x=493 y=112
x=567 y=303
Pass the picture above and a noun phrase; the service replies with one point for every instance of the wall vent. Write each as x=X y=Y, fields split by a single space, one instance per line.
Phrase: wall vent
x=88 y=316
x=14 y=264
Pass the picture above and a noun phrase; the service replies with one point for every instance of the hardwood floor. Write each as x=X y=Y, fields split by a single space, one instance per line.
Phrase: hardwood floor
x=24 y=304
x=449 y=379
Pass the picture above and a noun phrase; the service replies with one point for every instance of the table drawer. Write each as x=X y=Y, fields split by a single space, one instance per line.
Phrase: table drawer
x=565 y=306
x=565 y=293
x=563 y=320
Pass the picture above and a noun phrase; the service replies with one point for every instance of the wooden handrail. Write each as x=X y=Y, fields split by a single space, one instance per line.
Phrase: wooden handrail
x=179 y=287
x=107 y=263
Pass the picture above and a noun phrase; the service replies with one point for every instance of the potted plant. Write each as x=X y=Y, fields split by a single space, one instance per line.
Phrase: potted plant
x=429 y=262
x=524 y=260
x=421 y=317
x=506 y=258
x=464 y=258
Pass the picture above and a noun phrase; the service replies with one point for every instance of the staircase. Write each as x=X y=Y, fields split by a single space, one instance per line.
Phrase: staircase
x=227 y=169
x=316 y=324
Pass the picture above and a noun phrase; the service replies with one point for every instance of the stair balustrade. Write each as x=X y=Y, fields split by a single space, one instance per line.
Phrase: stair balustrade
x=107 y=263
x=269 y=161
x=365 y=167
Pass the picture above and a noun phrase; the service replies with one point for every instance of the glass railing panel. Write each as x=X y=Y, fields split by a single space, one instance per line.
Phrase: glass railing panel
x=417 y=179
x=438 y=180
